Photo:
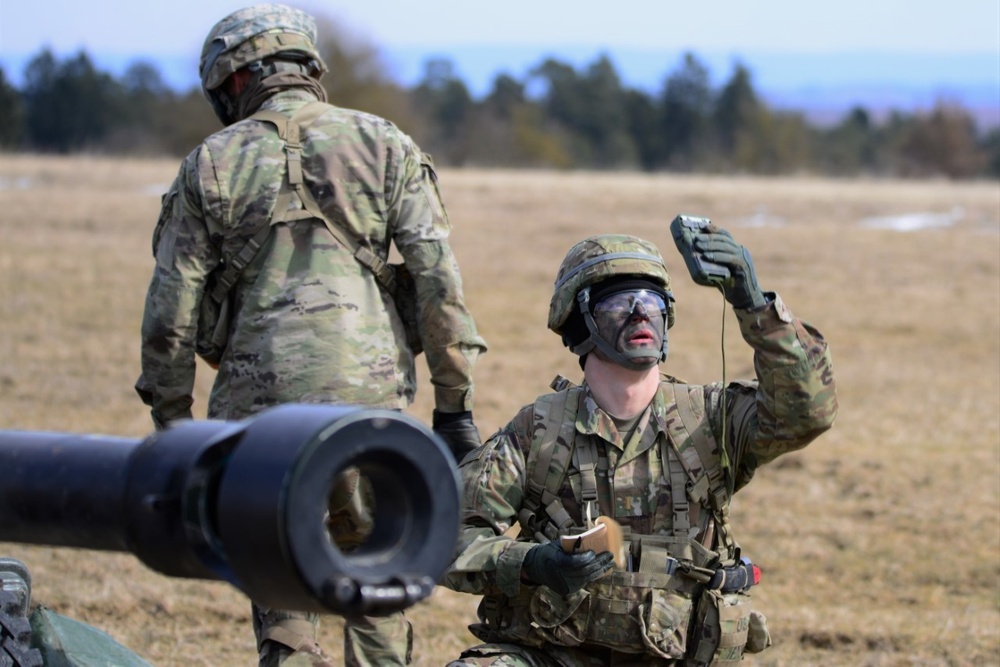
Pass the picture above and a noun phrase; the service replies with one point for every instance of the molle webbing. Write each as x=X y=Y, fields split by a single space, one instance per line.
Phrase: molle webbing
x=659 y=554
x=690 y=453
x=694 y=446
x=617 y=599
x=678 y=493
x=586 y=458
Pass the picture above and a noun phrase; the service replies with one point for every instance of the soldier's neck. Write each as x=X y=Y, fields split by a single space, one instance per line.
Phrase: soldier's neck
x=621 y=392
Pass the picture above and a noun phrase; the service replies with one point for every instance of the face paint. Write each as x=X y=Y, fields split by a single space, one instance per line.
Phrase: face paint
x=633 y=322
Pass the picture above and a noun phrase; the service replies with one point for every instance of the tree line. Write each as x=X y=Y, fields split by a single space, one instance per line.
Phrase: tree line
x=557 y=116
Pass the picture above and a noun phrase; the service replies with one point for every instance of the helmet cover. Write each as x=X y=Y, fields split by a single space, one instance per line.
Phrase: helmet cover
x=600 y=258
x=252 y=34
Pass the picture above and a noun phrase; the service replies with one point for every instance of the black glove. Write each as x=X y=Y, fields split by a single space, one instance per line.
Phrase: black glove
x=458 y=431
x=719 y=247
x=548 y=565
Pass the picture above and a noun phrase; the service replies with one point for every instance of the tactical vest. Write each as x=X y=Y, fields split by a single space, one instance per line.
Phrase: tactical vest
x=670 y=604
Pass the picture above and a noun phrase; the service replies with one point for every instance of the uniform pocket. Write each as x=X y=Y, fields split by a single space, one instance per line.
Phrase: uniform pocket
x=665 y=617
x=758 y=636
x=722 y=627
x=560 y=619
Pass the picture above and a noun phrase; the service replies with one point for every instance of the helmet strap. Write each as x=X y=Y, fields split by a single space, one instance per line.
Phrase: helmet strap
x=595 y=340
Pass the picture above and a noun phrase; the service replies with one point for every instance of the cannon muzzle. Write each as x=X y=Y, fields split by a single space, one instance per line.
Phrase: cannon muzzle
x=247 y=502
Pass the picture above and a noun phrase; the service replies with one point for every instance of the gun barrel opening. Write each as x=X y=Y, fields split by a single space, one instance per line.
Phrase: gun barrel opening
x=318 y=508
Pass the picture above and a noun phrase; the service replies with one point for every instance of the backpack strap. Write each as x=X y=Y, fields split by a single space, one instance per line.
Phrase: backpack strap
x=235 y=265
x=678 y=494
x=586 y=458
x=290 y=130
x=694 y=446
x=542 y=513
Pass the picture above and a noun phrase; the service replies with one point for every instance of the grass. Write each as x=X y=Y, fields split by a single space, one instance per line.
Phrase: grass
x=879 y=542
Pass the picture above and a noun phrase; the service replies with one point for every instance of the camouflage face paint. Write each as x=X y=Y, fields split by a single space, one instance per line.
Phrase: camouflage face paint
x=632 y=321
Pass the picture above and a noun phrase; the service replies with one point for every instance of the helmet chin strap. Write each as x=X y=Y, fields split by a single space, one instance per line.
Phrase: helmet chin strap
x=628 y=359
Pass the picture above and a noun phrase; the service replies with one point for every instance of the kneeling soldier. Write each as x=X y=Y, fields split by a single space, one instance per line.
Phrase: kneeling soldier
x=649 y=457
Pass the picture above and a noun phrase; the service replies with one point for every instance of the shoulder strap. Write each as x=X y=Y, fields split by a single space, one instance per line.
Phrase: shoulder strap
x=238 y=262
x=290 y=130
x=704 y=458
x=542 y=512
x=700 y=455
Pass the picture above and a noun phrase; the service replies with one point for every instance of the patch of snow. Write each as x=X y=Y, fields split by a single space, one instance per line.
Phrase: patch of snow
x=20 y=183
x=911 y=222
x=761 y=218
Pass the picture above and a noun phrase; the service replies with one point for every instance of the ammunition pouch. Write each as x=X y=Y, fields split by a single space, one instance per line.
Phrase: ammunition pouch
x=629 y=612
x=721 y=628
x=693 y=610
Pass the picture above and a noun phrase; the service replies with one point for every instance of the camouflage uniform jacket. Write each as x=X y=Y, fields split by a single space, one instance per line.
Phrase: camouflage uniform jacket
x=792 y=401
x=311 y=323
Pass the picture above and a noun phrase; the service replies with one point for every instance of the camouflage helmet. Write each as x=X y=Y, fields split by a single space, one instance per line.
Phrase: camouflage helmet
x=252 y=34
x=600 y=258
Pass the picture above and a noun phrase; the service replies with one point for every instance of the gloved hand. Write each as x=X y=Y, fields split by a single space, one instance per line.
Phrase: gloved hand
x=718 y=246
x=458 y=431
x=548 y=565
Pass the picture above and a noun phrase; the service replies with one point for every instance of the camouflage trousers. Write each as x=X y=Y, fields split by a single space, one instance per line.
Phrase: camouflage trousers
x=516 y=655
x=288 y=639
x=369 y=641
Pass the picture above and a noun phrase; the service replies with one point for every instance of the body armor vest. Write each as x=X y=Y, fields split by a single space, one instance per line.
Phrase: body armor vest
x=665 y=603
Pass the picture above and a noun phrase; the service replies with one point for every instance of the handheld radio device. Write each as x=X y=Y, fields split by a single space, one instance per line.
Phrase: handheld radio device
x=683 y=229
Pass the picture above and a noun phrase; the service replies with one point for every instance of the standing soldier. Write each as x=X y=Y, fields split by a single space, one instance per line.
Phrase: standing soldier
x=660 y=459
x=271 y=252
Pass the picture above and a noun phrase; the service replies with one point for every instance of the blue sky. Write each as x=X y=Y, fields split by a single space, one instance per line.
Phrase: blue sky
x=788 y=44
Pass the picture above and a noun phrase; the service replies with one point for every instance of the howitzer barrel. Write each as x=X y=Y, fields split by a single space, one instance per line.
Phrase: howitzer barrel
x=248 y=503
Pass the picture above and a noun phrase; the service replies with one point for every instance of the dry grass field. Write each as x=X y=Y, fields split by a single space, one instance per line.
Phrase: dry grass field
x=880 y=543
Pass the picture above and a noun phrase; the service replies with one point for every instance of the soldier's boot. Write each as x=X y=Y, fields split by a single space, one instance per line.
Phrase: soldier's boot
x=287 y=639
x=378 y=641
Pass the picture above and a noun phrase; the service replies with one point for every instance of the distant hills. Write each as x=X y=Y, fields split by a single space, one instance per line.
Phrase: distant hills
x=822 y=86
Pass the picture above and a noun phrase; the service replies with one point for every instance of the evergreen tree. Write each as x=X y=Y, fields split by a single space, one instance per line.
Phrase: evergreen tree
x=70 y=105
x=11 y=114
x=445 y=100
x=736 y=111
x=642 y=125
x=143 y=125
x=686 y=108
x=506 y=95
x=604 y=122
x=850 y=147
x=563 y=105
x=991 y=148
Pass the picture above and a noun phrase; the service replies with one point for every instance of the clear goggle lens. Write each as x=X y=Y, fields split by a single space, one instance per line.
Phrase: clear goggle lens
x=623 y=303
